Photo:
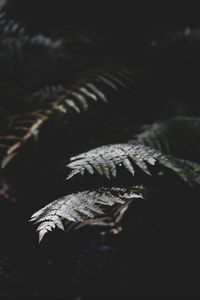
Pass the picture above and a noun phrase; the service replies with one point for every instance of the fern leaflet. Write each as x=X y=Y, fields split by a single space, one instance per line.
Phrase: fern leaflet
x=82 y=206
x=105 y=159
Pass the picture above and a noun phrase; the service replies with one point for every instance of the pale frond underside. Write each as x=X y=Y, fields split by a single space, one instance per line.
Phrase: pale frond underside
x=174 y=136
x=65 y=101
x=105 y=159
x=81 y=206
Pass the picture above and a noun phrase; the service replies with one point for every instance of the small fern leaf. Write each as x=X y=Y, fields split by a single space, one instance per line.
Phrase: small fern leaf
x=81 y=206
x=128 y=155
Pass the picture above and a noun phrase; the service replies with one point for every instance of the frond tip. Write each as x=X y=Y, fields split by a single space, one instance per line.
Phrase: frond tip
x=105 y=159
x=81 y=206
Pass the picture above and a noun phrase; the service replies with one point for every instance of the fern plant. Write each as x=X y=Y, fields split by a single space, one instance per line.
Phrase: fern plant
x=71 y=72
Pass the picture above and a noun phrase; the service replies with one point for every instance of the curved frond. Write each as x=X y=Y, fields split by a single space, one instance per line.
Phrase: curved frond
x=105 y=159
x=93 y=85
x=82 y=206
x=69 y=101
x=178 y=136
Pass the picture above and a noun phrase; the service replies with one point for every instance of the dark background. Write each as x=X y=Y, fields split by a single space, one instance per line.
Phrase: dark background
x=111 y=16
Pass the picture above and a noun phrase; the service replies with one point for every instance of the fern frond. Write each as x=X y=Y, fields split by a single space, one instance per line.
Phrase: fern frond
x=67 y=101
x=83 y=206
x=94 y=85
x=178 y=136
x=105 y=159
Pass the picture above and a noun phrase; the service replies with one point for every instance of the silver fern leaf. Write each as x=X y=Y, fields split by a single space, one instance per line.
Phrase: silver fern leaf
x=175 y=136
x=82 y=206
x=105 y=159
